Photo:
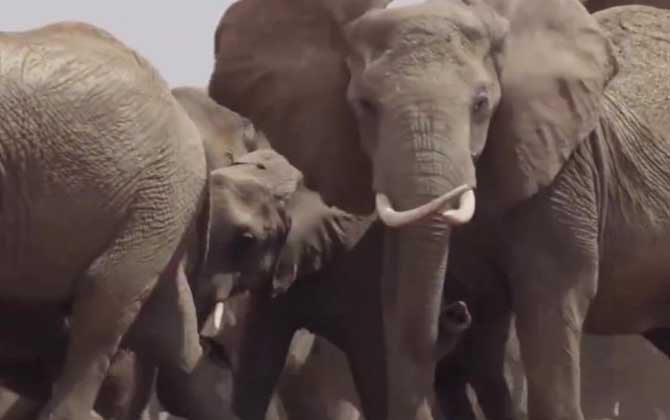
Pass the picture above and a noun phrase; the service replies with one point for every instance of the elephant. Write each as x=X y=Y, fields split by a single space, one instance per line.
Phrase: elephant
x=557 y=118
x=556 y=260
x=108 y=212
x=408 y=111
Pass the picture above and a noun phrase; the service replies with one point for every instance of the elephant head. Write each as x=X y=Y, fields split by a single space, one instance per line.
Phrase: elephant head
x=244 y=221
x=416 y=106
x=246 y=225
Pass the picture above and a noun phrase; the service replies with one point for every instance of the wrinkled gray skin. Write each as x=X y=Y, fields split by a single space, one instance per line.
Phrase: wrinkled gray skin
x=93 y=133
x=570 y=163
x=101 y=176
x=247 y=199
x=572 y=235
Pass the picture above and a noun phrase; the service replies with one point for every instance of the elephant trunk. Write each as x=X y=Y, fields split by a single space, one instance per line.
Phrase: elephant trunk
x=416 y=257
x=418 y=177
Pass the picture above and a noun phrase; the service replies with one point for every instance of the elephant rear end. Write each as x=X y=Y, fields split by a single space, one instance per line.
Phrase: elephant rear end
x=102 y=176
x=90 y=133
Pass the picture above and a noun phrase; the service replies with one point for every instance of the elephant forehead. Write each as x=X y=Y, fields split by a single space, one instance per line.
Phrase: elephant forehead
x=273 y=171
x=428 y=31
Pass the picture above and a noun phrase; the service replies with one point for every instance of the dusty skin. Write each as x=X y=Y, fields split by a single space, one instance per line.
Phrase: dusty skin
x=525 y=140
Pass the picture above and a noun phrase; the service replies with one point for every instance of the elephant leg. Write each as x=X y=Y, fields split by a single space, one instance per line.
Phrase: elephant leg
x=451 y=388
x=126 y=391
x=488 y=343
x=549 y=333
x=263 y=352
x=109 y=297
x=167 y=332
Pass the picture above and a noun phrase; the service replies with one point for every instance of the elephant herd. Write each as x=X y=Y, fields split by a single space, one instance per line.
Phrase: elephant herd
x=446 y=209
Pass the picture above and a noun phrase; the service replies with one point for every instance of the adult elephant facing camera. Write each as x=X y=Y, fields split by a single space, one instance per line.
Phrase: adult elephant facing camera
x=397 y=103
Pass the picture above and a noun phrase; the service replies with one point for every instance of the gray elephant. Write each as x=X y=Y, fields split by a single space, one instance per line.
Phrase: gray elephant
x=557 y=117
x=107 y=210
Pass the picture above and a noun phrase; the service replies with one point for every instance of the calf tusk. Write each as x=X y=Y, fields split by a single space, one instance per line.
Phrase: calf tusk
x=212 y=326
x=466 y=209
x=393 y=218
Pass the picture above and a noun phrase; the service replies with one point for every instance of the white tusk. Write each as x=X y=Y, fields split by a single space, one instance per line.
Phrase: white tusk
x=214 y=322
x=393 y=218
x=463 y=214
x=402 y=3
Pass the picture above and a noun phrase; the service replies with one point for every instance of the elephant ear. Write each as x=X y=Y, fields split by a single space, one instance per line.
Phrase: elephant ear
x=282 y=63
x=319 y=233
x=553 y=69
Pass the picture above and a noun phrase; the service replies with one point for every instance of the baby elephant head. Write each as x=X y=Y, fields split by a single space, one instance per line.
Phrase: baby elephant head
x=247 y=223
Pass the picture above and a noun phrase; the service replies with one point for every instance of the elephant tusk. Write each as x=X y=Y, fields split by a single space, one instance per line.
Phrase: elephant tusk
x=394 y=218
x=465 y=211
x=212 y=326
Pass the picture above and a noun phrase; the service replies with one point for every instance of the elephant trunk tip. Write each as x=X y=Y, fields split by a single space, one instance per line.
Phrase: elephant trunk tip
x=454 y=217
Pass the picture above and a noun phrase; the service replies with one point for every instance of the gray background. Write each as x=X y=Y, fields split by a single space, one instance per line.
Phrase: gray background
x=177 y=36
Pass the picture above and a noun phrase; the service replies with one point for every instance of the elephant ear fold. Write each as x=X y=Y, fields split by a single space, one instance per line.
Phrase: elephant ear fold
x=319 y=233
x=553 y=69
x=282 y=63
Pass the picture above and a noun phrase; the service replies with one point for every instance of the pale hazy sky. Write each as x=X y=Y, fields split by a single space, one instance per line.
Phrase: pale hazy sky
x=175 y=35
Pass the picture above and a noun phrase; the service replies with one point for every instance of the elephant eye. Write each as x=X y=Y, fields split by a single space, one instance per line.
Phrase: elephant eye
x=244 y=243
x=365 y=106
x=480 y=104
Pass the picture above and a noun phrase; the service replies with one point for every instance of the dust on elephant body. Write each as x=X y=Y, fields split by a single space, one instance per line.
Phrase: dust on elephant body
x=239 y=216
x=557 y=116
x=107 y=209
x=101 y=176
x=424 y=103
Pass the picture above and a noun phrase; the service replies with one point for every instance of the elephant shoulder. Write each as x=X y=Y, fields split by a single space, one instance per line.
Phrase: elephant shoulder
x=640 y=36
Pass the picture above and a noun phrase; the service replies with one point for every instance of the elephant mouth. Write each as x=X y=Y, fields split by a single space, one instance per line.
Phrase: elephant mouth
x=459 y=215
